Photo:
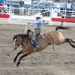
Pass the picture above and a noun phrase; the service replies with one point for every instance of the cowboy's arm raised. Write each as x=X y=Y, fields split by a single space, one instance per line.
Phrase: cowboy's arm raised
x=33 y=23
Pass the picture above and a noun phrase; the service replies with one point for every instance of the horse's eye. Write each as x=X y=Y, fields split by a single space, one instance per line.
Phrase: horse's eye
x=17 y=41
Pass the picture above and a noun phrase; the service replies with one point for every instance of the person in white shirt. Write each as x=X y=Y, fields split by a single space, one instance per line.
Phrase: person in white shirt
x=68 y=5
x=69 y=8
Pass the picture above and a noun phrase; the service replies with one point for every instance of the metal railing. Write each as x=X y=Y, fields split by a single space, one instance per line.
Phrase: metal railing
x=45 y=11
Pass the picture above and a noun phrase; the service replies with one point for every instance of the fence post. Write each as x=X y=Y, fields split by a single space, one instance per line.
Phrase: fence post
x=51 y=15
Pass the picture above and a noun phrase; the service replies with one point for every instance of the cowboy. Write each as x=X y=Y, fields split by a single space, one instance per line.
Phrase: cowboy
x=37 y=30
x=31 y=35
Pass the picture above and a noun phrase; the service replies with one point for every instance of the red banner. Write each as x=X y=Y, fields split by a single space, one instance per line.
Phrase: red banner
x=4 y=16
x=64 y=19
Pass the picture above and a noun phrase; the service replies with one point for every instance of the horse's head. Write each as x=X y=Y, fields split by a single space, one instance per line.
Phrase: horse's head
x=17 y=41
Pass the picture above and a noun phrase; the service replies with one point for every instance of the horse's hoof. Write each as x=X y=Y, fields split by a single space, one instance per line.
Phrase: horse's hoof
x=14 y=60
x=17 y=64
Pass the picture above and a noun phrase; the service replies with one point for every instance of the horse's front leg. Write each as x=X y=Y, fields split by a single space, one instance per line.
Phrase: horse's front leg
x=17 y=56
x=24 y=55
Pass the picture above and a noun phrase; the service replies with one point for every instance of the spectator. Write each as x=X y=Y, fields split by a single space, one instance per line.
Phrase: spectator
x=21 y=3
x=73 y=5
x=73 y=9
x=43 y=12
x=21 y=9
x=68 y=12
x=6 y=7
x=2 y=7
x=57 y=10
x=68 y=5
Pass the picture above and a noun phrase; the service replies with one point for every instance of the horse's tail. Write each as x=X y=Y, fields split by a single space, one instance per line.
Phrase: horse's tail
x=61 y=27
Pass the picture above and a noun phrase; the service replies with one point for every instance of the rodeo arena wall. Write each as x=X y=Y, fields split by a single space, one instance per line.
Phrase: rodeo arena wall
x=52 y=15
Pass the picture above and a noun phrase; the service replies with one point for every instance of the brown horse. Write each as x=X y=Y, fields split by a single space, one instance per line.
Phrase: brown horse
x=51 y=37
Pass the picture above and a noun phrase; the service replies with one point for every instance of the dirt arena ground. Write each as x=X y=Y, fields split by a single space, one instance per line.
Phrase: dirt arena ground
x=60 y=61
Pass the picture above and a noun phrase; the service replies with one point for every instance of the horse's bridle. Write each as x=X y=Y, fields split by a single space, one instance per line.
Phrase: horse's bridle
x=17 y=42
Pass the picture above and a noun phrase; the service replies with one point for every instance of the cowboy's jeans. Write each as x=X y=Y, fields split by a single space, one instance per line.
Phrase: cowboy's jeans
x=32 y=37
x=36 y=43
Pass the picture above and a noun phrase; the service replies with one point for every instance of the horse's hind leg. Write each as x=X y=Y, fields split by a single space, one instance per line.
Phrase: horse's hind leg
x=17 y=56
x=70 y=42
x=21 y=58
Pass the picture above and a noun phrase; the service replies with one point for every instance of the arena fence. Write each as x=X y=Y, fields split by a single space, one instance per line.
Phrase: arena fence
x=50 y=15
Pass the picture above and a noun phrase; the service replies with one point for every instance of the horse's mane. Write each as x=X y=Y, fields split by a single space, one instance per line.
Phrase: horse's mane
x=21 y=35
